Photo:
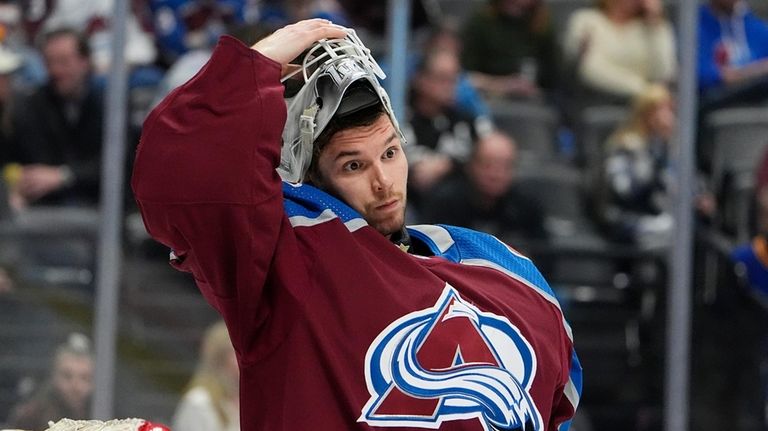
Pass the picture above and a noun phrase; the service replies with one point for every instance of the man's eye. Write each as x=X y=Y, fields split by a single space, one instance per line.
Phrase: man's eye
x=352 y=166
x=390 y=153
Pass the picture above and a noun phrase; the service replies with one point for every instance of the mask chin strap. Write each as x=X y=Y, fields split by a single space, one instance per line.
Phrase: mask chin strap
x=307 y=125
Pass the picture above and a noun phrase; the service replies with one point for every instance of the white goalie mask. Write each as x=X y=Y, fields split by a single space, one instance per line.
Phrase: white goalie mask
x=340 y=77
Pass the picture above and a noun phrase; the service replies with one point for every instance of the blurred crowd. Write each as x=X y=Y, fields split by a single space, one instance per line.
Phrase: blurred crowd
x=550 y=124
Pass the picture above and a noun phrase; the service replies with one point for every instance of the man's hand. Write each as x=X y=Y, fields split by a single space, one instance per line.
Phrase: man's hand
x=37 y=181
x=288 y=42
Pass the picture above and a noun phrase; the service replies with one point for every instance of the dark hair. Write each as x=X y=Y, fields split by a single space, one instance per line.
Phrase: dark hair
x=83 y=48
x=362 y=118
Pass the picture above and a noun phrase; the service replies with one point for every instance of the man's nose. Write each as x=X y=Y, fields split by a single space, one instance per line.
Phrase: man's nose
x=381 y=180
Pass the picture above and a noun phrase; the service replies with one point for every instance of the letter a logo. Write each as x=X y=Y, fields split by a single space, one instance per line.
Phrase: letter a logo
x=451 y=362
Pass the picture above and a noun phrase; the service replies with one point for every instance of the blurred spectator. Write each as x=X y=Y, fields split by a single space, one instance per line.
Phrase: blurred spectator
x=279 y=13
x=445 y=38
x=189 y=63
x=754 y=255
x=92 y=17
x=57 y=130
x=185 y=25
x=7 y=284
x=510 y=48
x=370 y=17
x=736 y=315
x=620 y=48
x=9 y=64
x=733 y=54
x=468 y=99
x=211 y=400
x=751 y=266
x=761 y=174
x=486 y=197
x=13 y=36
x=26 y=21
x=635 y=189
x=440 y=136
x=67 y=393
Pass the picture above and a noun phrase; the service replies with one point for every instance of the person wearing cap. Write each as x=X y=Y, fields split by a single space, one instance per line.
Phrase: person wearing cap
x=341 y=316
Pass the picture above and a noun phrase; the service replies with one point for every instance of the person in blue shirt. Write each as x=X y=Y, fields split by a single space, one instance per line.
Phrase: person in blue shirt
x=751 y=258
x=444 y=37
x=183 y=25
x=733 y=54
x=748 y=318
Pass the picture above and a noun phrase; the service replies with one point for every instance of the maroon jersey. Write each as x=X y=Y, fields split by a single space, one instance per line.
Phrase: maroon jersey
x=335 y=327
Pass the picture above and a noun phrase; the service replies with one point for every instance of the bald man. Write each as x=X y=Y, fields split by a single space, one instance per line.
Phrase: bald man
x=485 y=196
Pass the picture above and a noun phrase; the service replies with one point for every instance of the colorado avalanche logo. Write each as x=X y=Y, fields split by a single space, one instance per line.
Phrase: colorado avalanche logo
x=451 y=362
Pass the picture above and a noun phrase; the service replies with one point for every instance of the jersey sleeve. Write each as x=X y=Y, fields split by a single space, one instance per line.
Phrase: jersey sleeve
x=567 y=397
x=205 y=179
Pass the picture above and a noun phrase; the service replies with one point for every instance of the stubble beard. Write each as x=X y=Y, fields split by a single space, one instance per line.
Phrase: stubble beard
x=389 y=225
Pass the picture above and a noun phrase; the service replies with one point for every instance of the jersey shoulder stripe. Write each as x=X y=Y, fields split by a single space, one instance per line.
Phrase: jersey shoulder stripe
x=463 y=245
x=306 y=205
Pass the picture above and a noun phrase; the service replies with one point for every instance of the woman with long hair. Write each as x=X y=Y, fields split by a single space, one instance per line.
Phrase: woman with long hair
x=621 y=47
x=210 y=402
x=635 y=185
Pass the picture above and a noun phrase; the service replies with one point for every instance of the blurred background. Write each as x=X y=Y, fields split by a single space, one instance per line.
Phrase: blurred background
x=549 y=123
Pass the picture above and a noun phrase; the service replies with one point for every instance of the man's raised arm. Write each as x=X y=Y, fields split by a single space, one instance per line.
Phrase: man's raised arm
x=205 y=177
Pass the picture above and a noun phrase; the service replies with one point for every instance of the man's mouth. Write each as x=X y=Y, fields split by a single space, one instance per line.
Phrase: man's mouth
x=388 y=205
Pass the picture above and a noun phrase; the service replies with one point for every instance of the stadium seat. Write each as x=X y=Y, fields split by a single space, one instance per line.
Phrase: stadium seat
x=603 y=289
x=534 y=126
x=595 y=125
x=738 y=138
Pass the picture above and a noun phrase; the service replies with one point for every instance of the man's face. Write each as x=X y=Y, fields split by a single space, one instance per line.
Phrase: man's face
x=492 y=166
x=438 y=82
x=367 y=169
x=73 y=379
x=68 y=70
